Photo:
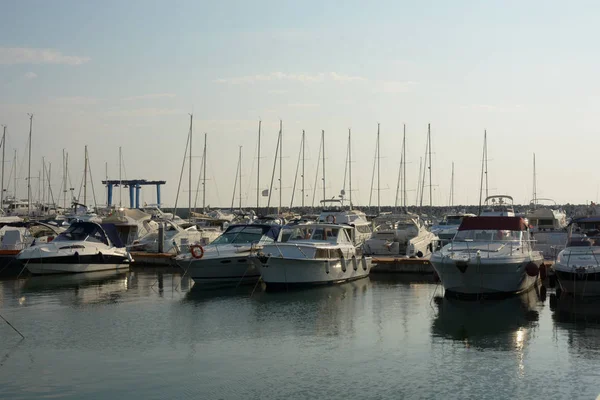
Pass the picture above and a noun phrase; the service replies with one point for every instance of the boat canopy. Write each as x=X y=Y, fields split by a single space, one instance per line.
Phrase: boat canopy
x=493 y=223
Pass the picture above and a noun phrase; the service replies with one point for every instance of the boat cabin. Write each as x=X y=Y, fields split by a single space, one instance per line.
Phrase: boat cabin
x=330 y=233
x=491 y=229
x=248 y=234
x=498 y=206
x=90 y=232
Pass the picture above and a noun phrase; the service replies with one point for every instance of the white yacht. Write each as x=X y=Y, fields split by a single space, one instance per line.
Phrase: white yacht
x=83 y=247
x=225 y=260
x=131 y=224
x=548 y=225
x=488 y=256
x=448 y=226
x=334 y=212
x=577 y=267
x=177 y=238
x=403 y=235
x=499 y=205
x=315 y=254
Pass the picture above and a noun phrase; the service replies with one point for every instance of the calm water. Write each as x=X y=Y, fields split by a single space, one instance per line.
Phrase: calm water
x=146 y=335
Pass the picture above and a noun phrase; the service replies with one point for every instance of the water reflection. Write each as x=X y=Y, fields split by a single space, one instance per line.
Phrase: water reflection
x=498 y=324
x=568 y=310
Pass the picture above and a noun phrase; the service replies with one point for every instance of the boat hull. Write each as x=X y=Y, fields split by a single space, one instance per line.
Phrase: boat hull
x=487 y=278
x=285 y=273
x=51 y=267
x=221 y=271
x=582 y=283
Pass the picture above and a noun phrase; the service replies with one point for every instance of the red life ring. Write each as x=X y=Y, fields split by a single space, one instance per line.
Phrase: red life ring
x=193 y=251
x=330 y=218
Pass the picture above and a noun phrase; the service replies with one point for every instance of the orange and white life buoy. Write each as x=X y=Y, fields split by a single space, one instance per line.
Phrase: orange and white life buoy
x=194 y=253
x=330 y=218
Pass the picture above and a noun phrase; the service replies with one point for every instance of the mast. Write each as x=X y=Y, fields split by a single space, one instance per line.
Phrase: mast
x=280 y=161
x=424 y=172
x=273 y=173
x=452 y=187
x=378 y=174
x=64 y=166
x=106 y=178
x=404 y=166
x=85 y=173
x=350 y=165
x=3 y=154
x=297 y=169
x=15 y=169
x=67 y=169
x=323 y=155
x=204 y=175
x=235 y=182
x=120 y=179
x=487 y=194
x=483 y=170
x=240 y=174
x=43 y=182
x=302 y=191
x=29 y=167
x=534 y=183
x=430 y=184
x=190 y=172
x=258 y=170
x=419 y=181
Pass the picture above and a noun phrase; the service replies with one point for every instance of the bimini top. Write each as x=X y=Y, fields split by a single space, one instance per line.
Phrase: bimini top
x=91 y=231
x=493 y=223
x=581 y=220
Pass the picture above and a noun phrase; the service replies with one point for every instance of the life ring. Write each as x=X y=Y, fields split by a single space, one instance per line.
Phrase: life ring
x=193 y=251
x=330 y=218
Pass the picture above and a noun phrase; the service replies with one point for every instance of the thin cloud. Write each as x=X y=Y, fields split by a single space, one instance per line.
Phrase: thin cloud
x=30 y=75
x=282 y=76
x=150 y=96
x=27 y=55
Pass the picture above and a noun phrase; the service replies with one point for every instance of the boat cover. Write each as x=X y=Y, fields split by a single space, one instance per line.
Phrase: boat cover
x=113 y=235
x=493 y=223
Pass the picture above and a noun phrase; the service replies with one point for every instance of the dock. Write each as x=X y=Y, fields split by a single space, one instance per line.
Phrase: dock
x=142 y=257
x=402 y=265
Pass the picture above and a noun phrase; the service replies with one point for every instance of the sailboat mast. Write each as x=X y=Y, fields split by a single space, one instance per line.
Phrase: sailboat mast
x=106 y=178
x=204 y=175
x=15 y=169
x=240 y=175
x=487 y=194
x=120 y=179
x=3 y=154
x=258 y=170
x=378 y=173
x=280 y=162
x=483 y=170
x=534 y=183
x=424 y=172
x=404 y=166
x=323 y=155
x=419 y=190
x=43 y=182
x=350 y=165
x=29 y=167
x=302 y=191
x=430 y=185
x=452 y=187
x=190 y=172
x=85 y=174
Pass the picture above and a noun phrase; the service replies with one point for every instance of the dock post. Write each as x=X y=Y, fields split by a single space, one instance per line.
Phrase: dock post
x=161 y=237
x=158 y=203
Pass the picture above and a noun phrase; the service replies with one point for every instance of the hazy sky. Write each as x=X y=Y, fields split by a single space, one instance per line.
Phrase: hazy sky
x=127 y=73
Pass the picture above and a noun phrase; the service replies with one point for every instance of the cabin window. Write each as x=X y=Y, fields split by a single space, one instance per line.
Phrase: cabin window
x=546 y=222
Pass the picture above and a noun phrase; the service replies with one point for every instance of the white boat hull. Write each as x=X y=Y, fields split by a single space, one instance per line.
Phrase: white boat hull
x=226 y=270
x=488 y=277
x=55 y=268
x=282 y=273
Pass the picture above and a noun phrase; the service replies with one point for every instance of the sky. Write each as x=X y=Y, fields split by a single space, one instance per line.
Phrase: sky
x=128 y=74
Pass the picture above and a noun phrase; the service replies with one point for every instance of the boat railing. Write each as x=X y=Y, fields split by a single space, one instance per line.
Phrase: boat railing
x=514 y=244
x=590 y=251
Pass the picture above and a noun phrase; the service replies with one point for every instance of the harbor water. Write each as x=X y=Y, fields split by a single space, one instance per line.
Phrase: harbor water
x=149 y=334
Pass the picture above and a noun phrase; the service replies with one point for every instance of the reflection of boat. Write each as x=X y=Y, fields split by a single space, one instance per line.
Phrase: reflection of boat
x=489 y=256
x=493 y=324
x=569 y=309
x=70 y=281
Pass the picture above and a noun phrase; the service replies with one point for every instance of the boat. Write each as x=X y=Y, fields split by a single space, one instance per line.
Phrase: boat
x=577 y=267
x=334 y=212
x=489 y=256
x=402 y=235
x=448 y=226
x=83 y=247
x=177 y=238
x=131 y=224
x=499 y=205
x=225 y=261
x=548 y=224
x=315 y=254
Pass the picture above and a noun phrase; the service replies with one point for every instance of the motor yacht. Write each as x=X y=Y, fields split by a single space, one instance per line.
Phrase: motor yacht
x=548 y=224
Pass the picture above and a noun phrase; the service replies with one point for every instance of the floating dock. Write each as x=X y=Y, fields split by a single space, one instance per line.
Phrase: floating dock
x=163 y=259
x=402 y=265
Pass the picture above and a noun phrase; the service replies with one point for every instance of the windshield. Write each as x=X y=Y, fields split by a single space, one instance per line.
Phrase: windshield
x=83 y=232
x=488 y=235
x=243 y=234
x=453 y=220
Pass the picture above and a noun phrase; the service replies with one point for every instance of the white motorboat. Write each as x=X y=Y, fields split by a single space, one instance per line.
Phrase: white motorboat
x=448 y=226
x=315 y=254
x=131 y=224
x=225 y=260
x=334 y=212
x=548 y=225
x=499 y=205
x=177 y=238
x=577 y=267
x=402 y=235
x=489 y=256
x=83 y=247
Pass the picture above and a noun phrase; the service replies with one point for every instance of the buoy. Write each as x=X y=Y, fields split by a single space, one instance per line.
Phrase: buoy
x=327 y=266
x=532 y=269
x=354 y=263
x=343 y=261
x=543 y=272
x=363 y=261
